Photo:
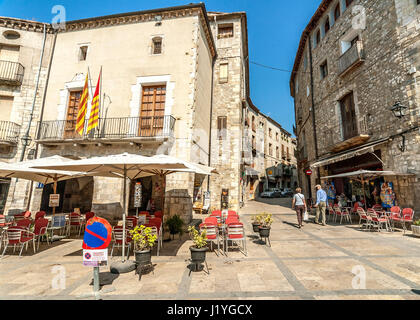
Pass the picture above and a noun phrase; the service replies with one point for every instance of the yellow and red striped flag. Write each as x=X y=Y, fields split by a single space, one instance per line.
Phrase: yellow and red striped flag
x=94 y=111
x=80 y=123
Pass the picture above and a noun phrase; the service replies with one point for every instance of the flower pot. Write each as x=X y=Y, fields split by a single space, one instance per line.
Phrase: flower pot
x=198 y=255
x=256 y=227
x=143 y=258
x=416 y=230
x=264 y=232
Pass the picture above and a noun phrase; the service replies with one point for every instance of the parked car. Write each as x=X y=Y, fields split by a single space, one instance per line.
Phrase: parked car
x=287 y=192
x=271 y=193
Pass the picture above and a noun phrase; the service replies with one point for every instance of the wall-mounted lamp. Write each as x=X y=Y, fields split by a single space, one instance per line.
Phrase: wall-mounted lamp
x=399 y=112
x=158 y=20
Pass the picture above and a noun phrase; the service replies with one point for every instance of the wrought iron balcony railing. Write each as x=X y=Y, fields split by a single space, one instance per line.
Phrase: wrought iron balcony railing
x=110 y=129
x=9 y=132
x=351 y=58
x=11 y=72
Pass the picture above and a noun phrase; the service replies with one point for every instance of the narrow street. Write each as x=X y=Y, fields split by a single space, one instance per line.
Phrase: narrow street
x=313 y=263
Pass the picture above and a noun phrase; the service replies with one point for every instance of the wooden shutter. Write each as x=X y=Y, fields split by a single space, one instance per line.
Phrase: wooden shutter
x=348 y=116
x=221 y=127
x=152 y=111
x=72 y=111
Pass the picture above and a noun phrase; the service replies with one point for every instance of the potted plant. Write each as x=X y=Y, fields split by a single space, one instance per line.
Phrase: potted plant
x=175 y=224
x=143 y=240
x=198 y=250
x=415 y=227
x=256 y=222
x=266 y=221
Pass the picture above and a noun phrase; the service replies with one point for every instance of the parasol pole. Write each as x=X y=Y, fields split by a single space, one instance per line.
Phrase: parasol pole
x=55 y=190
x=124 y=211
x=364 y=192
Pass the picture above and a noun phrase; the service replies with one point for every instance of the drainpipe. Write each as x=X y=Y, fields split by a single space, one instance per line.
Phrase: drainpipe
x=313 y=107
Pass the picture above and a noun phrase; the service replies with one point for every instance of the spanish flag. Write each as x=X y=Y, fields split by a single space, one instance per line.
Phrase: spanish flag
x=94 y=111
x=80 y=124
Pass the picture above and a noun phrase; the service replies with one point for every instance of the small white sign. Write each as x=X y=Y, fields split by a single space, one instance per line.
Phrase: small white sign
x=95 y=258
x=54 y=200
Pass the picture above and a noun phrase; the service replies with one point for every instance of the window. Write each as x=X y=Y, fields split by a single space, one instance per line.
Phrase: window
x=221 y=127
x=305 y=62
x=270 y=149
x=157 y=45
x=354 y=41
x=254 y=128
x=9 y=53
x=337 y=11
x=72 y=111
x=6 y=106
x=288 y=155
x=348 y=116
x=270 y=132
x=318 y=37
x=327 y=25
x=83 y=50
x=324 y=70
x=223 y=72
x=277 y=136
x=282 y=151
x=225 y=31
x=277 y=153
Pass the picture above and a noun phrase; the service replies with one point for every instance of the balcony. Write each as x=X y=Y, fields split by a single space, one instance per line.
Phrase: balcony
x=11 y=73
x=9 y=133
x=335 y=142
x=351 y=58
x=109 y=130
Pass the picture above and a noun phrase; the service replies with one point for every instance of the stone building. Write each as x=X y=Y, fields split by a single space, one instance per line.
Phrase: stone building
x=356 y=60
x=25 y=54
x=280 y=160
x=156 y=97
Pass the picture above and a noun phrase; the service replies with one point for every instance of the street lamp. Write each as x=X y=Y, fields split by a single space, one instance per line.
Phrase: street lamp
x=399 y=112
x=26 y=140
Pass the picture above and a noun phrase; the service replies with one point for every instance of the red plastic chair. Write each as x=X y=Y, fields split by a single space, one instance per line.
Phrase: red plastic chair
x=236 y=232
x=131 y=222
x=16 y=236
x=40 y=229
x=216 y=213
x=211 y=220
x=89 y=215
x=24 y=223
x=39 y=215
x=342 y=214
x=158 y=214
x=231 y=219
x=376 y=219
x=364 y=217
x=117 y=235
x=27 y=214
x=156 y=225
x=19 y=216
x=76 y=220
x=407 y=216
x=212 y=234
x=3 y=222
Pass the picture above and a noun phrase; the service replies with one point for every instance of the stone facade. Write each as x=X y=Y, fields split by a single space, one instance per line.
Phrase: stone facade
x=372 y=54
x=21 y=43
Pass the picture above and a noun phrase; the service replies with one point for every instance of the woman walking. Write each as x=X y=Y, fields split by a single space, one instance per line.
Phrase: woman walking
x=299 y=204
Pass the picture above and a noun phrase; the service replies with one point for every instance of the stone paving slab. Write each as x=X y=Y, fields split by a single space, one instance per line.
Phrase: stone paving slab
x=315 y=262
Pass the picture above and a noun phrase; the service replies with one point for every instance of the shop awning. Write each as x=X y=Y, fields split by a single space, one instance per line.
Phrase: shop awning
x=251 y=172
x=369 y=148
x=367 y=175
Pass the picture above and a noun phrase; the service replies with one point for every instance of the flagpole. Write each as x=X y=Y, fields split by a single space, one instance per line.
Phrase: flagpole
x=100 y=101
x=90 y=93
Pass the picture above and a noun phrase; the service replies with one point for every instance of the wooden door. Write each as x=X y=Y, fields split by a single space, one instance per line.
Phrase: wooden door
x=348 y=116
x=71 y=119
x=152 y=111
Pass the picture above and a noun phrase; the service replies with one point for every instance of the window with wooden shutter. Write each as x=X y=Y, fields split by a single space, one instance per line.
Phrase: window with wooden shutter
x=6 y=106
x=152 y=111
x=157 y=45
x=225 y=31
x=348 y=116
x=72 y=111
x=223 y=72
x=221 y=127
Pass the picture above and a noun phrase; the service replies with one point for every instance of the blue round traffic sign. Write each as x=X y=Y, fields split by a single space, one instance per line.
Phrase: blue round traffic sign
x=97 y=234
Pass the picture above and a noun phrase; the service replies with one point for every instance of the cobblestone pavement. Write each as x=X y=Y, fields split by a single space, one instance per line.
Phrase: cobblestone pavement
x=315 y=262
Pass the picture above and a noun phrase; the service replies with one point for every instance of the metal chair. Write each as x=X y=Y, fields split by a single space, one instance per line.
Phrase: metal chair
x=407 y=216
x=377 y=220
x=117 y=235
x=212 y=234
x=342 y=213
x=40 y=229
x=363 y=217
x=76 y=220
x=15 y=236
x=236 y=232
x=58 y=222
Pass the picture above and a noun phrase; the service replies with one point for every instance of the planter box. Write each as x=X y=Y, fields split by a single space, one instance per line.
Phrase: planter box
x=416 y=230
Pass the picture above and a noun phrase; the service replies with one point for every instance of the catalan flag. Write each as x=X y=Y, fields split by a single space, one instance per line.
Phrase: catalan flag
x=80 y=123
x=94 y=111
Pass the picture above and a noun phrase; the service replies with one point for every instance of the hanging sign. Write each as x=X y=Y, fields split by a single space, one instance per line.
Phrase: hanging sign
x=54 y=200
x=137 y=195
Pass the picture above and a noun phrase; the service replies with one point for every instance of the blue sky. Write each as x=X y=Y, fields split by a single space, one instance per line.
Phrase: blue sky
x=274 y=30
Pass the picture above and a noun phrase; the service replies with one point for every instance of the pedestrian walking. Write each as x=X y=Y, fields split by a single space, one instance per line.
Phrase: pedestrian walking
x=299 y=204
x=321 y=205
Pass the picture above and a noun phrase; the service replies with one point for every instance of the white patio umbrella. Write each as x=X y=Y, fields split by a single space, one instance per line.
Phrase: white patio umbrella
x=44 y=176
x=125 y=166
